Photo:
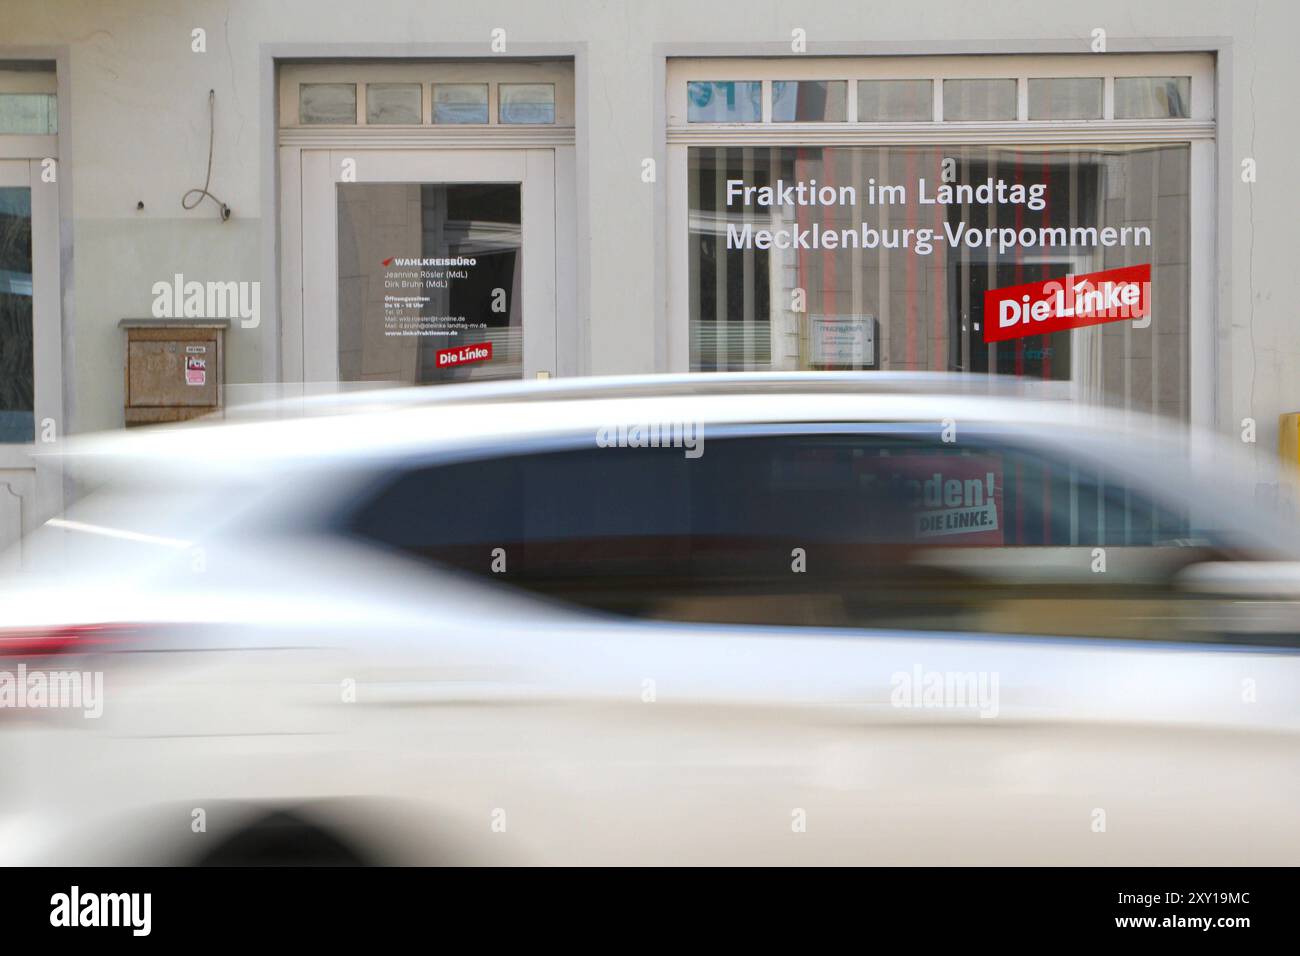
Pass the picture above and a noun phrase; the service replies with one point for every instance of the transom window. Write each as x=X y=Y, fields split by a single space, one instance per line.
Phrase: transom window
x=438 y=94
x=1084 y=88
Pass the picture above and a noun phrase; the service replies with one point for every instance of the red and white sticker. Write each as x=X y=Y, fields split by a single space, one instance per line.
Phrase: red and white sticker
x=1072 y=302
x=196 y=370
x=482 y=352
x=957 y=496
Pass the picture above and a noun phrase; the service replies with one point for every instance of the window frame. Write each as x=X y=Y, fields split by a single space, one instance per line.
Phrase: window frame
x=1199 y=132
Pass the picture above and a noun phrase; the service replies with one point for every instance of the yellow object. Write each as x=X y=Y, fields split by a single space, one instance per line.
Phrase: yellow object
x=1288 y=438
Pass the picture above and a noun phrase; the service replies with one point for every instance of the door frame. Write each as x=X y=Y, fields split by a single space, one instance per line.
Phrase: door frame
x=312 y=344
x=548 y=156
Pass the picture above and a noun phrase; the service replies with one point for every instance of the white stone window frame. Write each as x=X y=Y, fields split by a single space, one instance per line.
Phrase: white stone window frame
x=1198 y=131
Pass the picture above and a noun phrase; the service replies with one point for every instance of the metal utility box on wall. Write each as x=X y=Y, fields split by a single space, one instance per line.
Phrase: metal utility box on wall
x=175 y=369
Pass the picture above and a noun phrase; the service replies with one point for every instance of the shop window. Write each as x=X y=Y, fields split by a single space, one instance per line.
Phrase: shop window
x=460 y=103
x=724 y=101
x=32 y=114
x=895 y=101
x=850 y=257
x=1065 y=98
x=804 y=101
x=327 y=104
x=526 y=103
x=394 y=104
x=969 y=100
x=1152 y=97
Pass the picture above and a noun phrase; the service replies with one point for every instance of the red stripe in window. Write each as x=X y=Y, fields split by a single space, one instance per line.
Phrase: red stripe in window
x=910 y=312
x=939 y=272
x=1043 y=341
x=1020 y=362
x=1020 y=268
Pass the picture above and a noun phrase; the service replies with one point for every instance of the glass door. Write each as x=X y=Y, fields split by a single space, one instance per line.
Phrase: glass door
x=427 y=267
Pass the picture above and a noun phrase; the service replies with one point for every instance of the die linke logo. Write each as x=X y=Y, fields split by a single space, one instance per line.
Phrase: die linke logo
x=1072 y=302
x=481 y=352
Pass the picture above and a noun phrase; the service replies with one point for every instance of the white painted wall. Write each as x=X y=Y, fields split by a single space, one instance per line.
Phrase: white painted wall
x=138 y=131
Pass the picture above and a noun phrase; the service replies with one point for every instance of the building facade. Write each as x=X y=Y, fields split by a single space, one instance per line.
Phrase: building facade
x=409 y=192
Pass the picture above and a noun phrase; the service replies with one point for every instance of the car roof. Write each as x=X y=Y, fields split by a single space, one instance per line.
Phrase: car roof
x=400 y=421
x=309 y=440
x=253 y=443
x=308 y=399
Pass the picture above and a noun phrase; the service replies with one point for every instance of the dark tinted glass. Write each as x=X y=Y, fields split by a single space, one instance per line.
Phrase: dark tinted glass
x=825 y=529
x=17 y=384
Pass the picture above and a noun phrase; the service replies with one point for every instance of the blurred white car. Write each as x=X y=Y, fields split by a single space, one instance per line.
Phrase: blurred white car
x=873 y=619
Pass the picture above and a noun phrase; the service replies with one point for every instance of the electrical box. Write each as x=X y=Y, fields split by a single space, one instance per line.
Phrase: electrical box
x=175 y=369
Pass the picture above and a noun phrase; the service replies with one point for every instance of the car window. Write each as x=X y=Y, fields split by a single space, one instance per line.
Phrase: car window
x=839 y=529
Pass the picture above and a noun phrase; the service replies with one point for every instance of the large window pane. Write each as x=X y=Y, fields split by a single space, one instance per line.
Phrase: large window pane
x=17 y=419
x=724 y=101
x=871 y=272
x=803 y=101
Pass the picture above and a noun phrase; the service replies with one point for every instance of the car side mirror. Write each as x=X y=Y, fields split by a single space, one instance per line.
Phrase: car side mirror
x=1242 y=579
x=1243 y=602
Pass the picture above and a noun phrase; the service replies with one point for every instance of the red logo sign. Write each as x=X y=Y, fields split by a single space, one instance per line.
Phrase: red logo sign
x=1072 y=302
x=464 y=355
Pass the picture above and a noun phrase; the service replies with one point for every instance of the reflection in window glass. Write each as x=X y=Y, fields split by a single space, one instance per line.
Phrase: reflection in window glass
x=1061 y=98
x=893 y=279
x=394 y=103
x=460 y=103
x=429 y=282
x=968 y=100
x=527 y=103
x=30 y=114
x=895 y=101
x=327 y=104
x=1153 y=97
x=724 y=101
x=17 y=420
x=911 y=532
x=802 y=101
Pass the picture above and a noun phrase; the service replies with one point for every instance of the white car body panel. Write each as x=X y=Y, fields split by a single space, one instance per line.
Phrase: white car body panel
x=489 y=727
